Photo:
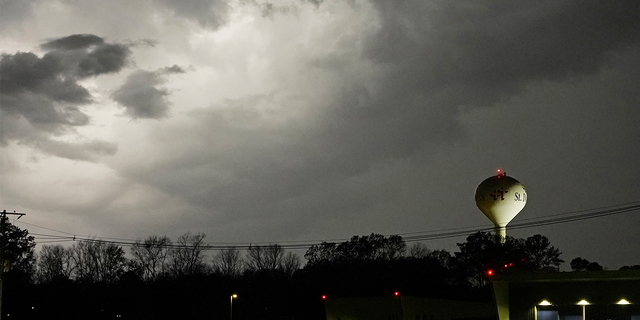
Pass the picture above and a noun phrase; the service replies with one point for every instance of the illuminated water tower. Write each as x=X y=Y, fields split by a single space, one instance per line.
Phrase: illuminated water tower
x=501 y=198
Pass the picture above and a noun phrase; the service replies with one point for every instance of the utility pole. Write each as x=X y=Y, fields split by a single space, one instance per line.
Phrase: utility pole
x=3 y=241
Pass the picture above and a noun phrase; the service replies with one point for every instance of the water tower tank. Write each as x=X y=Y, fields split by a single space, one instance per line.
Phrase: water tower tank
x=500 y=198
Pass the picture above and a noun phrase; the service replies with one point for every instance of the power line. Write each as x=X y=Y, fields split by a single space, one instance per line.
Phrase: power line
x=30 y=224
x=604 y=211
x=407 y=237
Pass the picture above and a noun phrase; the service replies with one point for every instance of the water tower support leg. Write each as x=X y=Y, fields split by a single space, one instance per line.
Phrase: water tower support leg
x=501 y=233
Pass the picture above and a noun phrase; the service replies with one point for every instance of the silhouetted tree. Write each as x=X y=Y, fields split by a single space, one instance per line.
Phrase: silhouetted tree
x=18 y=267
x=54 y=262
x=376 y=265
x=151 y=255
x=358 y=248
x=271 y=258
x=442 y=256
x=324 y=252
x=541 y=254
x=290 y=263
x=187 y=258
x=594 y=266
x=633 y=267
x=98 y=261
x=373 y=247
x=579 y=264
x=483 y=252
x=419 y=250
x=19 y=250
x=228 y=262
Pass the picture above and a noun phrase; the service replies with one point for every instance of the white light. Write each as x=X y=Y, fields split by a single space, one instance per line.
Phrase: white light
x=583 y=302
x=545 y=303
x=623 y=301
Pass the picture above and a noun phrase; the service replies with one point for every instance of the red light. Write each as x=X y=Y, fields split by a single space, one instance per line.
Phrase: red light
x=396 y=293
x=490 y=272
x=324 y=297
x=506 y=265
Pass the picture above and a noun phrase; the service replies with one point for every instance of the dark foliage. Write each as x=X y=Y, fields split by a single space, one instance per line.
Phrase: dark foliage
x=483 y=256
x=268 y=281
x=633 y=267
x=579 y=264
x=19 y=250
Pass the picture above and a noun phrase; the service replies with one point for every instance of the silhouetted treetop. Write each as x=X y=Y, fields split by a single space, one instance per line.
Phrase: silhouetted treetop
x=19 y=252
x=483 y=252
x=358 y=248
x=579 y=264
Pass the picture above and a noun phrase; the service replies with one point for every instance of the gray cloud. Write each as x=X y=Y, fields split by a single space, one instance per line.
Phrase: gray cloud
x=14 y=12
x=316 y=3
x=87 y=151
x=485 y=50
x=383 y=118
x=335 y=150
x=23 y=132
x=41 y=90
x=269 y=9
x=85 y=55
x=141 y=97
x=45 y=91
x=73 y=42
x=208 y=13
x=438 y=59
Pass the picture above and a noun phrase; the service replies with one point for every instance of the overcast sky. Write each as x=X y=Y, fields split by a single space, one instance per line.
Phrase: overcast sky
x=254 y=121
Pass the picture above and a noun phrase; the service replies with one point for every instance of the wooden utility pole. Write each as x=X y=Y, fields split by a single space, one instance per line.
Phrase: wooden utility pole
x=3 y=241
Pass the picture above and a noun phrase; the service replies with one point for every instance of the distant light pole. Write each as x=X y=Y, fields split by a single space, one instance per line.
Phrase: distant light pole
x=584 y=304
x=231 y=306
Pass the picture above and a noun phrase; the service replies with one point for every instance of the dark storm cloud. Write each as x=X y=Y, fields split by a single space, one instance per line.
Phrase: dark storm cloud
x=432 y=60
x=484 y=50
x=436 y=58
x=32 y=86
x=440 y=58
x=248 y=156
x=45 y=91
x=208 y=13
x=141 y=97
x=73 y=42
x=88 y=55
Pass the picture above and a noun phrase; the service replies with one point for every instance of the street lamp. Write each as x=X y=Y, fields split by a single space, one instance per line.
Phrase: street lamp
x=584 y=304
x=231 y=306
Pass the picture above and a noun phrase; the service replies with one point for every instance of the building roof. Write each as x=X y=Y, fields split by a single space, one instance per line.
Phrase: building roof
x=624 y=275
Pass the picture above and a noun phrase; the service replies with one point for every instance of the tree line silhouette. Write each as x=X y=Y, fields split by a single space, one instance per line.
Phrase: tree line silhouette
x=161 y=279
